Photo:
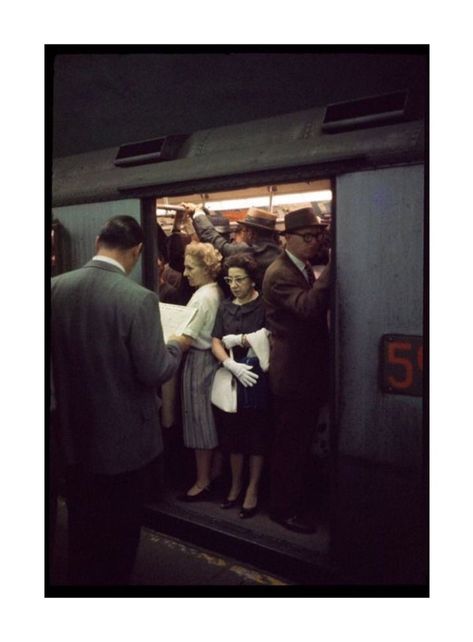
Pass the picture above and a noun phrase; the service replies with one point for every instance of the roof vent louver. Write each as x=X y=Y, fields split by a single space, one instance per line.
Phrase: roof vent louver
x=154 y=150
x=365 y=112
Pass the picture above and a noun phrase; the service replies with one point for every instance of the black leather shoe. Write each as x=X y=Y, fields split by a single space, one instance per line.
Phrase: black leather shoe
x=295 y=523
x=204 y=495
x=245 y=513
x=230 y=503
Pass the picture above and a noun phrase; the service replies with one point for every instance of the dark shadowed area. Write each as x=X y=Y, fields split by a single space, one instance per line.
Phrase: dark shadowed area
x=105 y=99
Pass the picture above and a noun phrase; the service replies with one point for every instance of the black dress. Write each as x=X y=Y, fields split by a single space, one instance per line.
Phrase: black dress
x=247 y=430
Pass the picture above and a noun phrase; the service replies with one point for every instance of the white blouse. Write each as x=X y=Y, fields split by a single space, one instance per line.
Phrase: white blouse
x=206 y=300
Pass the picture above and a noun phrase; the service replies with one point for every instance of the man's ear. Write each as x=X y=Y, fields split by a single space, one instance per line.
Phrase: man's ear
x=137 y=250
x=96 y=245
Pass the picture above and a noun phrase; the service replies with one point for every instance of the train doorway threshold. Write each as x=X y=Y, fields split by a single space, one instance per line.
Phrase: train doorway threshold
x=304 y=559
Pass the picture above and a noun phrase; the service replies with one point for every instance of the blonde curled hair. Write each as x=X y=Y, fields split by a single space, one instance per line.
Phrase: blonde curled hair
x=207 y=256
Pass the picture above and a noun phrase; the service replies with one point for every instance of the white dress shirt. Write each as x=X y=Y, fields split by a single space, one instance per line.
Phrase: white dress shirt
x=299 y=264
x=107 y=259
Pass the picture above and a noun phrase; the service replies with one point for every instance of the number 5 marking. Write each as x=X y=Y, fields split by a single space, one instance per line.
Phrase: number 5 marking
x=393 y=358
x=420 y=357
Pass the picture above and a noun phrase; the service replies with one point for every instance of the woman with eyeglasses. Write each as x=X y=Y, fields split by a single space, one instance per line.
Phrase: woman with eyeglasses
x=244 y=433
x=202 y=264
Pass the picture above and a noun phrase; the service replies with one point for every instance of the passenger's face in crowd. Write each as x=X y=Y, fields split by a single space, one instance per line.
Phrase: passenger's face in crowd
x=302 y=249
x=322 y=255
x=240 y=283
x=238 y=236
x=195 y=272
x=246 y=235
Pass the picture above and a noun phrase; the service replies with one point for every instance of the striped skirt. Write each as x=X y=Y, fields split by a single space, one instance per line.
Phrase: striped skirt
x=197 y=413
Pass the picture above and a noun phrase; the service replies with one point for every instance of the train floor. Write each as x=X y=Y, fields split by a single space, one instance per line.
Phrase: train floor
x=259 y=528
x=163 y=560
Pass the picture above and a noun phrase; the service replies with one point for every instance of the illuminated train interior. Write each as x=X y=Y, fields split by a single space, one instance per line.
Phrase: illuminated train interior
x=176 y=470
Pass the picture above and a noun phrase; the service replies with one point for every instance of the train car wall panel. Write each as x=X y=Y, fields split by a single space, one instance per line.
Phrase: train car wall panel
x=82 y=223
x=379 y=525
x=290 y=141
x=379 y=291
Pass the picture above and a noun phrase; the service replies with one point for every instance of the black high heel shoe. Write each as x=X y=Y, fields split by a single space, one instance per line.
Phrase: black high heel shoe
x=230 y=503
x=204 y=495
x=246 y=513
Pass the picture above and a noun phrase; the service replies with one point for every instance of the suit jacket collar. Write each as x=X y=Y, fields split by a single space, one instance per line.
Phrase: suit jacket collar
x=293 y=267
x=103 y=265
x=296 y=260
x=260 y=248
x=246 y=308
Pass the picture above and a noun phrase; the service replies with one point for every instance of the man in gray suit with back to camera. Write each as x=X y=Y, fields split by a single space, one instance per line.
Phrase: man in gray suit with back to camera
x=108 y=356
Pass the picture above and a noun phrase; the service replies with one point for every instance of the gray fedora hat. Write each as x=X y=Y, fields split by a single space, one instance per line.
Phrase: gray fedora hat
x=303 y=217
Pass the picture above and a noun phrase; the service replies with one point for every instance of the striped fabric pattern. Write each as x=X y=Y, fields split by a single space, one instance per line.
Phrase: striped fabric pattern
x=197 y=413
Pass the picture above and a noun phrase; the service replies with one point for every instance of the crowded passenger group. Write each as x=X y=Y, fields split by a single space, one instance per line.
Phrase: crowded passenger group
x=256 y=372
x=249 y=371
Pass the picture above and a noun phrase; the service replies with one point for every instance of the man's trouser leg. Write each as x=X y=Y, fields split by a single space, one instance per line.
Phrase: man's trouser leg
x=294 y=423
x=104 y=519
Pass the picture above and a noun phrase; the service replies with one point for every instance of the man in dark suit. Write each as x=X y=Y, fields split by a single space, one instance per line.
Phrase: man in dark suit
x=108 y=357
x=296 y=314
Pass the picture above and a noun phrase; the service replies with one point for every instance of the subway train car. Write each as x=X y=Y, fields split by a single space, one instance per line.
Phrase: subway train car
x=362 y=164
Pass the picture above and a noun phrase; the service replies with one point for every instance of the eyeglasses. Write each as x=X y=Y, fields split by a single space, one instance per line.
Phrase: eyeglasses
x=309 y=237
x=235 y=279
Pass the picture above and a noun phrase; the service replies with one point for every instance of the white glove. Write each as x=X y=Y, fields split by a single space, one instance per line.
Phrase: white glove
x=232 y=340
x=242 y=372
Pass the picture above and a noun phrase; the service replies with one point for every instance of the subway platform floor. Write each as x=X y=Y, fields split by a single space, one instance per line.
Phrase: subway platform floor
x=164 y=561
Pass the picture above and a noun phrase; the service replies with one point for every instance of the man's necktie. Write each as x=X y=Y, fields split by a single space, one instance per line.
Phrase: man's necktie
x=310 y=274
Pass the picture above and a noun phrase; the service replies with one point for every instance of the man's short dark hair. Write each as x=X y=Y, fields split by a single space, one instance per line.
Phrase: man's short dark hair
x=121 y=232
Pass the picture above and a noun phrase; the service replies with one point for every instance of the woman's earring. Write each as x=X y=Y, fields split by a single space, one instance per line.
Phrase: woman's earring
x=253 y=284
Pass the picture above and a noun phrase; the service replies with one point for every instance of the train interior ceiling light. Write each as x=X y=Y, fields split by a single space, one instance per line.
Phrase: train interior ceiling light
x=263 y=201
x=273 y=199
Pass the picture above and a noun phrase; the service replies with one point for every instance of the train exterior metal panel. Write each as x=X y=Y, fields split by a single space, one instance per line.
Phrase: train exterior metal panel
x=379 y=523
x=81 y=224
x=290 y=141
x=379 y=290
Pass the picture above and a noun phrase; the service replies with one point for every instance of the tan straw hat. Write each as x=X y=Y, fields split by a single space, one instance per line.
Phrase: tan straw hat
x=260 y=219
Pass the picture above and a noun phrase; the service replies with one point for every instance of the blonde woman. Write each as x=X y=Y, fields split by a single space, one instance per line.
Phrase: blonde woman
x=201 y=267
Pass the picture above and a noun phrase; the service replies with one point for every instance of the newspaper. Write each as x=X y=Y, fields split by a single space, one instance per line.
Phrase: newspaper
x=174 y=318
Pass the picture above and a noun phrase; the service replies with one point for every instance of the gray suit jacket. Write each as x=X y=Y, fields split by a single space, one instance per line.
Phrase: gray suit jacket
x=108 y=356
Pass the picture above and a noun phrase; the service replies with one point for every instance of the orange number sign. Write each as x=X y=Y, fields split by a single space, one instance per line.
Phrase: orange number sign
x=397 y=355
x=402 y=364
